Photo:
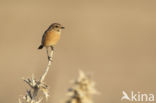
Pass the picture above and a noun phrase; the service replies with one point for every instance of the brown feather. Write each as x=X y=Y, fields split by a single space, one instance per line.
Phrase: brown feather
x=52 y=37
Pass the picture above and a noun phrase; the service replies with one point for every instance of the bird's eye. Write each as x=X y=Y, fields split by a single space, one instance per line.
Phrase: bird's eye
x=56 y=26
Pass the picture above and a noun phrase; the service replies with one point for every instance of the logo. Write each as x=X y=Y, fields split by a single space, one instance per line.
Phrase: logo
x=137 y=96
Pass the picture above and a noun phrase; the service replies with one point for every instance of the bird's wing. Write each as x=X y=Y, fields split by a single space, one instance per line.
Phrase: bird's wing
x=43 y=38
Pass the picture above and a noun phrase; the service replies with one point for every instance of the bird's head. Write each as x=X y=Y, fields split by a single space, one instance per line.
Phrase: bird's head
x=56 y=26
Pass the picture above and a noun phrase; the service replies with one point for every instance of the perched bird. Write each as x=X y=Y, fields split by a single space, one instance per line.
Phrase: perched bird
x=51 y=36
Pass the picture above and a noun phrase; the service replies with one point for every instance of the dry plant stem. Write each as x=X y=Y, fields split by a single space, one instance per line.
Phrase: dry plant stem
x=36 y=85
x=48 y=66
x=82 y=90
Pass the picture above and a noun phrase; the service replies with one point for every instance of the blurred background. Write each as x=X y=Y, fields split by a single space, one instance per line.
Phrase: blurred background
x=114 y=41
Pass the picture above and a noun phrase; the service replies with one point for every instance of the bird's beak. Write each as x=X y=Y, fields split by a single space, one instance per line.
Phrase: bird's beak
x=62 y=27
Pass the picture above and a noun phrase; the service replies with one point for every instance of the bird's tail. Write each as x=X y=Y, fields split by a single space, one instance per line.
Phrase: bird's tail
x=40 y=47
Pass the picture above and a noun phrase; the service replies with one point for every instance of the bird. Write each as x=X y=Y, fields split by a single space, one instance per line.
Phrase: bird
x=51 y=36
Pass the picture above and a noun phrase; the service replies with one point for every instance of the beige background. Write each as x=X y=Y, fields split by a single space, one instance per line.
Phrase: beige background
x=114 y=41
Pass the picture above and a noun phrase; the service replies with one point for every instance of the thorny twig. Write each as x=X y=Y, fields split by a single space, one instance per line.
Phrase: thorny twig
x=36 y=86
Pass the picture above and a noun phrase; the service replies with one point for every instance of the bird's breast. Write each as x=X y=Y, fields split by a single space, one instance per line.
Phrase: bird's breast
x=52 y=37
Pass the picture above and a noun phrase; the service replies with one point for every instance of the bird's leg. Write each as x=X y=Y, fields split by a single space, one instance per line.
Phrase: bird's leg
x=47 y=52
x=52 y=48
x=51 y=53
x=49 y=58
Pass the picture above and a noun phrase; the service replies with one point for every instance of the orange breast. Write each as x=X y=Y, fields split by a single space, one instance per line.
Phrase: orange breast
x=52 y=37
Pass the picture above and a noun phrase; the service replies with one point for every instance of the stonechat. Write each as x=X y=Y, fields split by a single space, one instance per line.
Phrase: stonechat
x=51 y=36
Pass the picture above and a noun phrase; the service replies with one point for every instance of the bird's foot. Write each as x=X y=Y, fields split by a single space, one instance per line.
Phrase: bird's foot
x=52 y=48
x=49 y=58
